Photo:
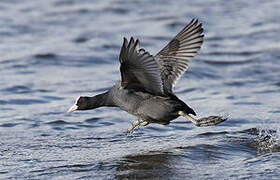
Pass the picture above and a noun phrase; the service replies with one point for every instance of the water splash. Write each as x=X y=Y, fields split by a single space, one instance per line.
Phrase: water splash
x=267 y=140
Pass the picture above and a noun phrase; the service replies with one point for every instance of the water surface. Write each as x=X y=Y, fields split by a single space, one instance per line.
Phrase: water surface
x=53 y=51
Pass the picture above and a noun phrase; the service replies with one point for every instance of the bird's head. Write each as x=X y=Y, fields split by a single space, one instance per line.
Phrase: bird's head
x=87 y=103
x=80 y=104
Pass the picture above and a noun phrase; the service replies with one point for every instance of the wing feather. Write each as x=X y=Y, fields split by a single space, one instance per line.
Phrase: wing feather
x=139 y=70
x=174 y=58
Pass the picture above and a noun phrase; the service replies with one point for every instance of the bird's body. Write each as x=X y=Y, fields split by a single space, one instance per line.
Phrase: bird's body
x=144 y=105
x=146 y=86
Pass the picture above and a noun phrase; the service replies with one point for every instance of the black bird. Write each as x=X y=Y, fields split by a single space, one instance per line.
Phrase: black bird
x=146 y=87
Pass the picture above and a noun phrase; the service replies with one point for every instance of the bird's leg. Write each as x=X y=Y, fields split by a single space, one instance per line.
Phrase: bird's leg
x=205 y=121
x=135 y=124
x=181 y=113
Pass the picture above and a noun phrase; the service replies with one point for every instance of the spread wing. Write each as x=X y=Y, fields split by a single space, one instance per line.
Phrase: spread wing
x=174 y=58
x=139 y=70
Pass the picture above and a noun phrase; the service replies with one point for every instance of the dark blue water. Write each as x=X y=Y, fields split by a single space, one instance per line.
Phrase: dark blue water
x=53 y=51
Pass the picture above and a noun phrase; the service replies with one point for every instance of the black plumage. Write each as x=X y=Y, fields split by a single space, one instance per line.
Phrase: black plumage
x=146 y=87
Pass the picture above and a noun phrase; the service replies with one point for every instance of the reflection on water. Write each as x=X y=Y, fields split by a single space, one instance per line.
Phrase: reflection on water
x=53 y=51
x=151 y=166
x=186 y=162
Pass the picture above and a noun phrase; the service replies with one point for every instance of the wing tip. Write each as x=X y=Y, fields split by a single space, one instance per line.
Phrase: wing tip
x=195 y=23
x=131 y=41
x=125 y=42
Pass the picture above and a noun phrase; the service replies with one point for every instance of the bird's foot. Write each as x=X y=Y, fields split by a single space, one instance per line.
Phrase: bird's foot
x=135 y=124
x=205 y=121
x=210 y=121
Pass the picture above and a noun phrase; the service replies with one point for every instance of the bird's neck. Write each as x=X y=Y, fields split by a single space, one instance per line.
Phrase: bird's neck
x=98 y=101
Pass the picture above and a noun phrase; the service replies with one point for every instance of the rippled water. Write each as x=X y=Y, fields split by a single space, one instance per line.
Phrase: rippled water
x=53 y=51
